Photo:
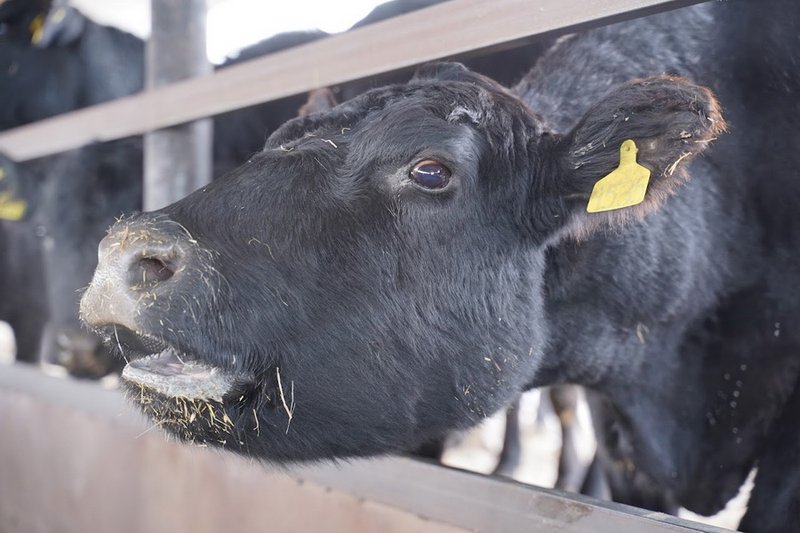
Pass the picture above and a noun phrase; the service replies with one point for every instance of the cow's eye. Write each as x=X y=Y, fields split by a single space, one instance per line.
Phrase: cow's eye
x=430 y=174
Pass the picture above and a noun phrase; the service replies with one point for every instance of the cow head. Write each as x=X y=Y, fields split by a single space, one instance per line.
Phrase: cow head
x=373 y=278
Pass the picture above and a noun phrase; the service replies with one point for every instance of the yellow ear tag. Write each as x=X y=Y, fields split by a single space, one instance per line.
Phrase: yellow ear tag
x=10 y=209
x=624 y=187
x=36 y=27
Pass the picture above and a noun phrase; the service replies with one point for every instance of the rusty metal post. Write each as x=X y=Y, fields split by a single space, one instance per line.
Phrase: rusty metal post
x=177 y=160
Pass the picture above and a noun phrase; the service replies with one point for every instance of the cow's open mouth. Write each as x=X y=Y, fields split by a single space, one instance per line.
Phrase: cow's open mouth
x=166 y=370
x=171 y=374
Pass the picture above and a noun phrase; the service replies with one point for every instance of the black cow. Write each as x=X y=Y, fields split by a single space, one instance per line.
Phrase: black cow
x=22 y=293
x=405 y=264
x=54 y=60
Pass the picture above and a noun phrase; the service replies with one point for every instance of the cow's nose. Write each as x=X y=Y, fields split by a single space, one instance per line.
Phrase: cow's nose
x=138 y=261
x=147 y=263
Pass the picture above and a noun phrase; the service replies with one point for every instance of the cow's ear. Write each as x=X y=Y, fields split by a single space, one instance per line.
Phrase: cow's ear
x=61 y=26
x=628 y=153
x=319 y=101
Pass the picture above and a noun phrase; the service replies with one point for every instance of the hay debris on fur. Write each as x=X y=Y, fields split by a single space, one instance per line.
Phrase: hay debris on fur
x=289 y=408
x=192 y=420
x=673 y=166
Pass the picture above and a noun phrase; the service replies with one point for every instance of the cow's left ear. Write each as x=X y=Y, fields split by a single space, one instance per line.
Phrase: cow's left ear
x=627 y=154
x=319 y=101
x=62 y=26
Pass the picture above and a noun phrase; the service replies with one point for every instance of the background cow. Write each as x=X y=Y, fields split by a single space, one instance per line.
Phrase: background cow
x=23 y=301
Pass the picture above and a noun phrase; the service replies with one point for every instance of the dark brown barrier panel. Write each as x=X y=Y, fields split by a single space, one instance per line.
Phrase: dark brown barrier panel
x=75 y=458
x=443 y=30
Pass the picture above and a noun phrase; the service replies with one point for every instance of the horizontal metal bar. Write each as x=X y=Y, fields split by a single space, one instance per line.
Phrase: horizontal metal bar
x=443 y=30
x=441 y=495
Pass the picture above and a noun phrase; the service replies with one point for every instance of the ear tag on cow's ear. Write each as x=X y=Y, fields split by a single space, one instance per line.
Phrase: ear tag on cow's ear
x=36 y=27
x=10 y=209
x=624 y=186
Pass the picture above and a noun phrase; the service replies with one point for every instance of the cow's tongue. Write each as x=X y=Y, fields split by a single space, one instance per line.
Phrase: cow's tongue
x=172 y=375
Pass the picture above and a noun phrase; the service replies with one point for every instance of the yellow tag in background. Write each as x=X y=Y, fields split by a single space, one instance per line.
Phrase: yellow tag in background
x=10 y=209
x=624 y=186
x=36 y=27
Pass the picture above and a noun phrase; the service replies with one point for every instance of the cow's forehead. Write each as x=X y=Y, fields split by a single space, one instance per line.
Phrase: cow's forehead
x=446 y=100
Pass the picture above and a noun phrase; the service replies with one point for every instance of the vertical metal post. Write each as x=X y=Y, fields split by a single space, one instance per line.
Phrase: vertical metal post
x=177 y=160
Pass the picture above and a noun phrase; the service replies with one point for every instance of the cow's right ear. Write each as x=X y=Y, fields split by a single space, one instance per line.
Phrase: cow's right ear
x=628 y=153
x=62 y=26
x=319 y=101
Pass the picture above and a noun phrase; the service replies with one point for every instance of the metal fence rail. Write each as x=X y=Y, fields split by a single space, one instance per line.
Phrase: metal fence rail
x=442 y=30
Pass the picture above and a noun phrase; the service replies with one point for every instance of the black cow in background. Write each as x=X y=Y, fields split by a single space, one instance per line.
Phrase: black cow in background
x=23 y=301
x=54 y=60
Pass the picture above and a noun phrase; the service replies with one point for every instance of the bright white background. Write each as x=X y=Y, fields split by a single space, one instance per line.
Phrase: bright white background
x=234 y=24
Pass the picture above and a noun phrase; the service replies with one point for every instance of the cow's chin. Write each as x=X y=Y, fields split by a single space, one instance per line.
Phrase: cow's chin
x=170 y=373
x=191 y=398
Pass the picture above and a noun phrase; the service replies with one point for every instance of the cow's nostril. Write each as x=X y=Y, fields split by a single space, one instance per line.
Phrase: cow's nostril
x=154 y=270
